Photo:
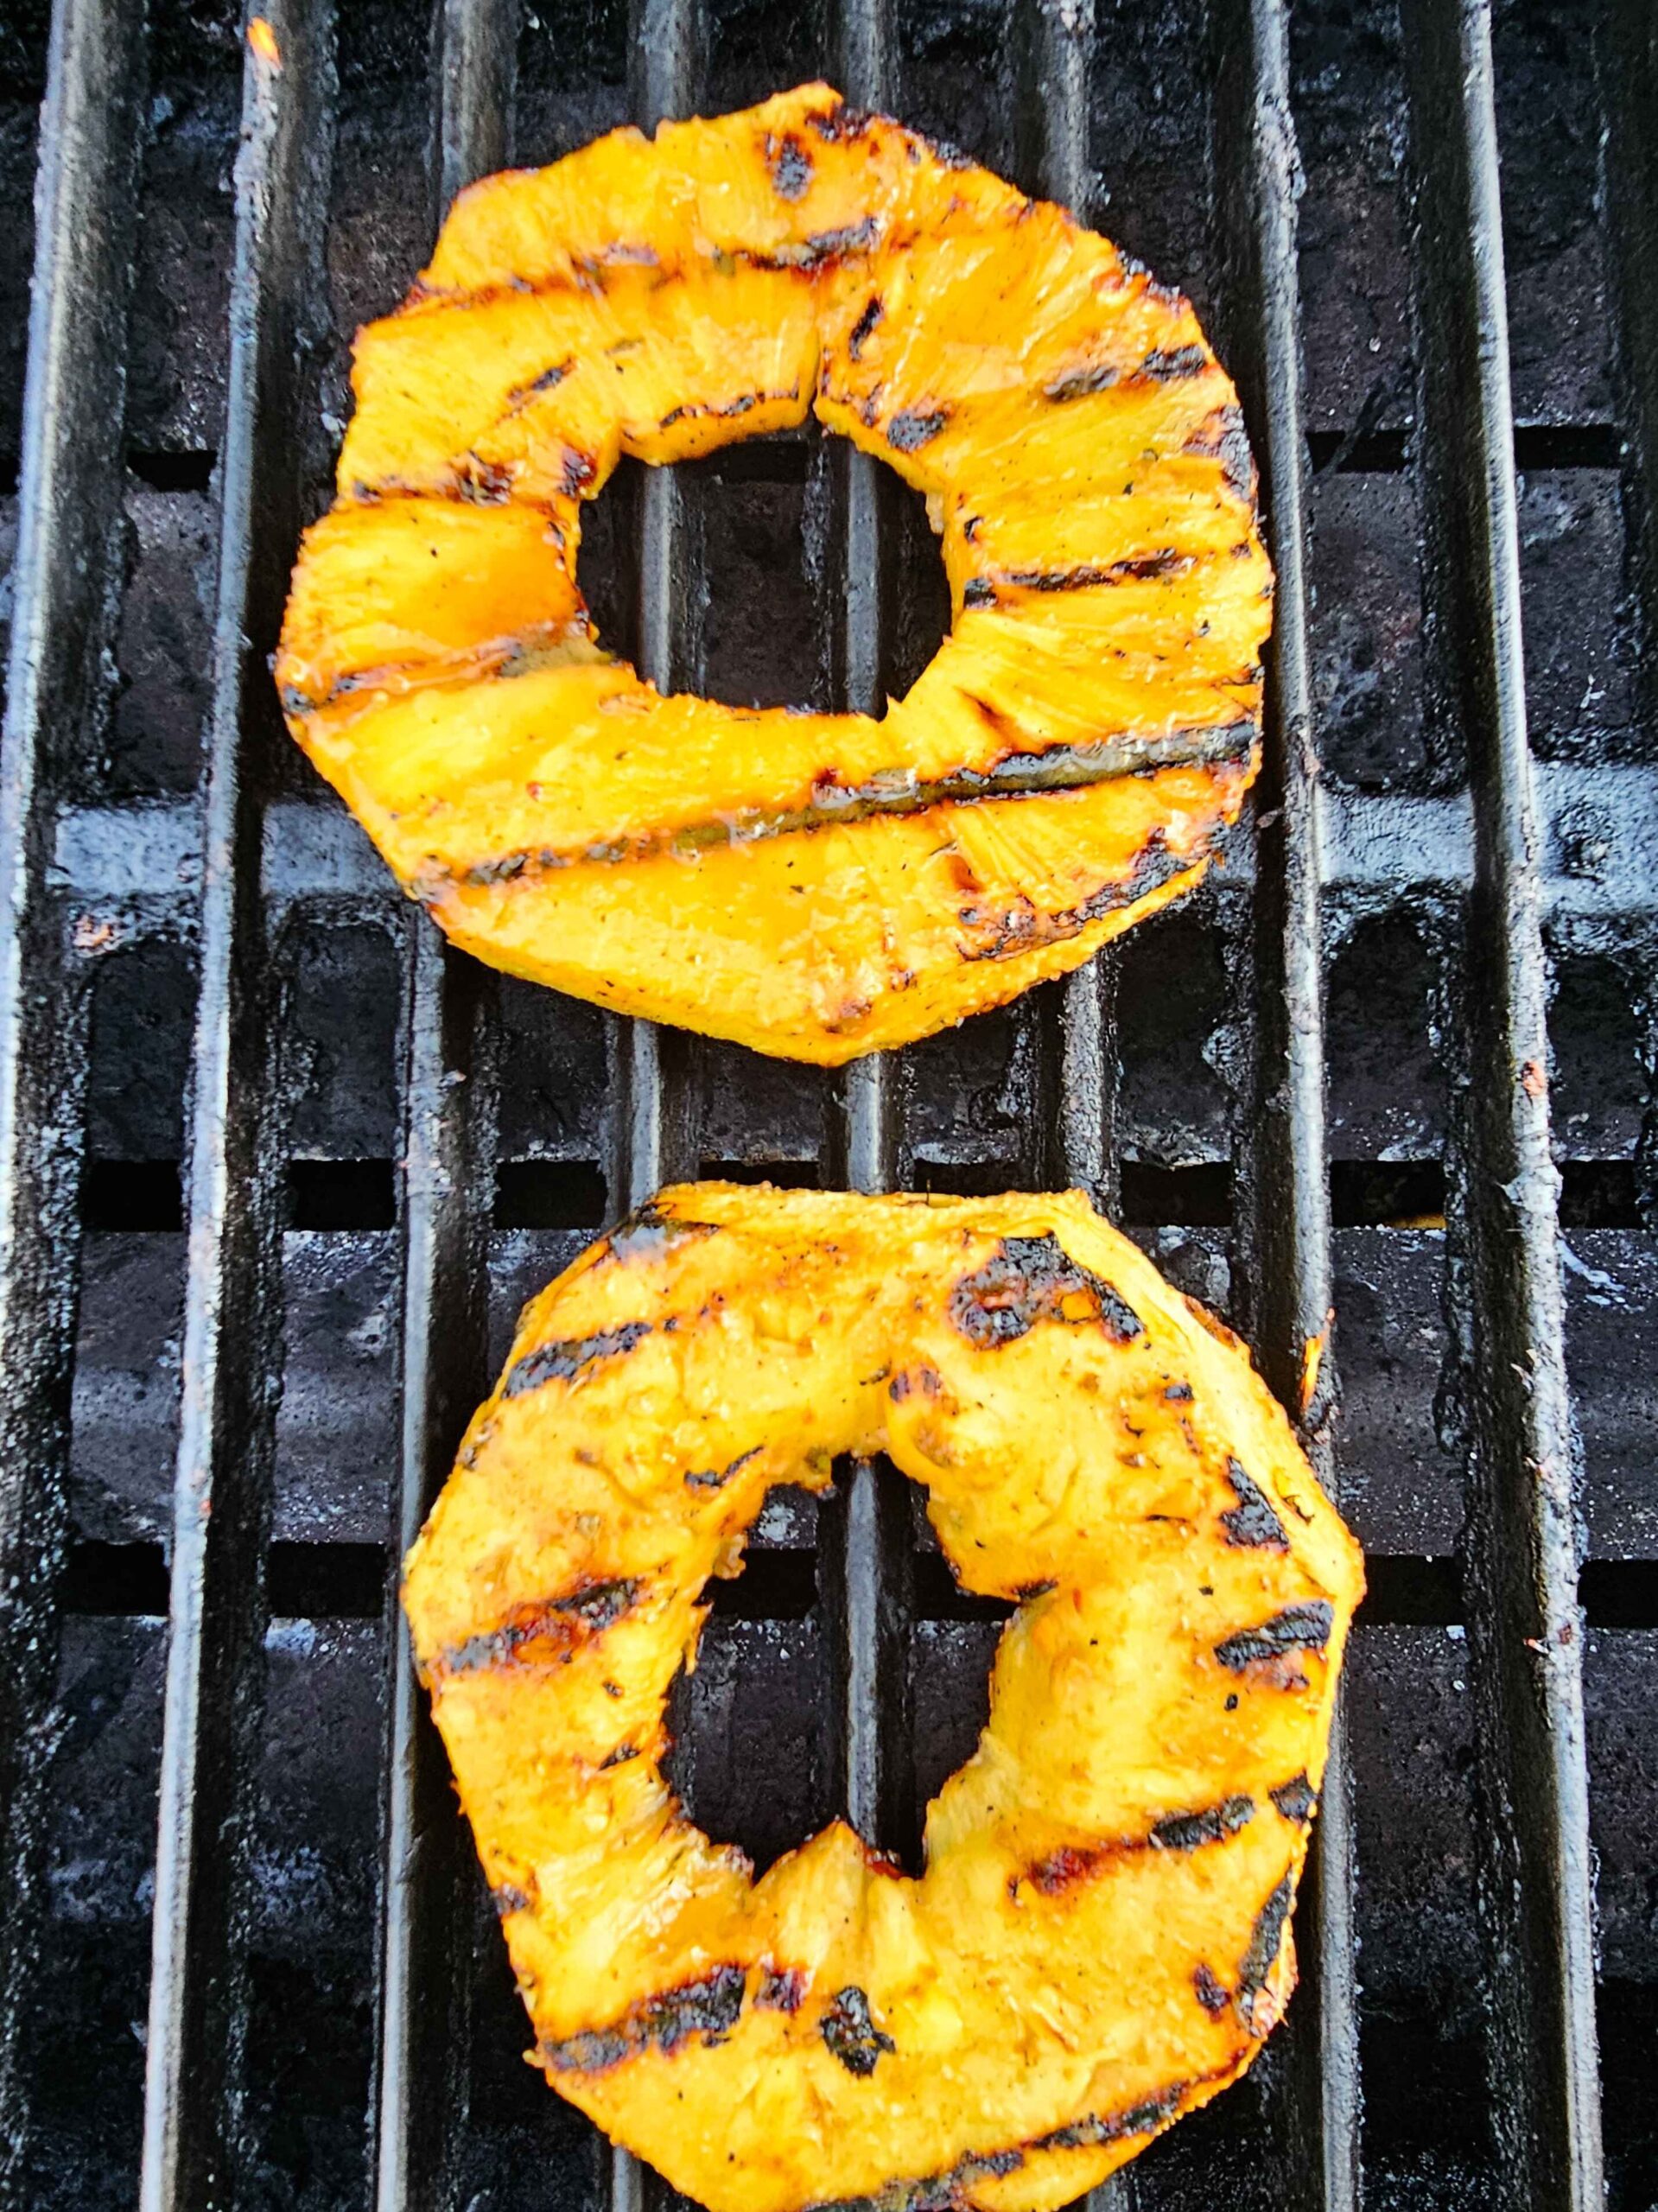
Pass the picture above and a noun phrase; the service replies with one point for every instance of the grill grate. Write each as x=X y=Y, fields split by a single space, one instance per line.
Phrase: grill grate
x=1409 y=906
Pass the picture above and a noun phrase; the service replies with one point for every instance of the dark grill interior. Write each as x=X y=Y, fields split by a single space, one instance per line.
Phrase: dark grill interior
x=217 y=1019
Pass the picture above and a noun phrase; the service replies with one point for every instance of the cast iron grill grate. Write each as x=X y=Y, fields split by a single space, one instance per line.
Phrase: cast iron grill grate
x=276 y=1169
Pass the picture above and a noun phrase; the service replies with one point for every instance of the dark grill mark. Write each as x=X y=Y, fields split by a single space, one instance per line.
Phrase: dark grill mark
x=1080 y=383
x=548 y=380
x=1059 y=1870
x=559 y=1362
x=620 y=1756
x=576 y=474
x=1113 y=2127
x=940 y=2192
x=1185 y=1831
x=507 y=1900
x=1027 y=1279
x=710 y=2008
x=482 y=483
x=484 y=874
x=1169 y=367
x=1305 y=1628
x=648 y=1231
x=851 y=2033
x=1017 y=927
x=1225 y=437
x=1211 y=1991
x=820 y=248
x=836 y=125
x=897 y=791
x=590 y=2053
x=745 y=403
x=1178 y=1394
x=543 y=1630
x=863 y=328
x=782 y=1989
x=1296 y=1798
x=789 y=164
x=1151 y=568
x=1251 y=1525
x=1258 y=1959
x=717 y=1477
x=908 y=433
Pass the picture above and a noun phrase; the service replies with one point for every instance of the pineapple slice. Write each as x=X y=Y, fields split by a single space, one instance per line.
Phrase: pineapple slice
x=815 y=886
x=1099 y=1941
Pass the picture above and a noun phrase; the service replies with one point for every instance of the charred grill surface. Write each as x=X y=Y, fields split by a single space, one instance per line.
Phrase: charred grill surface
x=1237 y=141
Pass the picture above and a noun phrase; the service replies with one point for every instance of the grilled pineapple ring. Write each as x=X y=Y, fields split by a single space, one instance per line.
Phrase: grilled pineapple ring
x=1101 y=1937
x=812 y=884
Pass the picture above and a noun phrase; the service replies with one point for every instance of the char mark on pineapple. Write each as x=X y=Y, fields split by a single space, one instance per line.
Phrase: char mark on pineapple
x=909 y=431
x=1251 y=1525
x=568 y=1357
x=546 y=1629
x=717 y=1477
x=482 y=483
x=1213 y=1824
x=864 y=328
x=707 y=2008
x=1081 y=384
x=1171 y=366
x=1265 y=1941
x=1211 y=1991
x=840 y=124
x=1031 y=1279
x=849 y=2029
x=820 y=249
x=648 y=1232
x=1298 y=1628
x=1098 y=2128
x=947 y=2191
x=1225 y=438
x=789 y=165
x=1150 y=568
x=729 y=410
x=1005 y=931
x=1295 y=1799
x=521 y=394
x=782 y=1989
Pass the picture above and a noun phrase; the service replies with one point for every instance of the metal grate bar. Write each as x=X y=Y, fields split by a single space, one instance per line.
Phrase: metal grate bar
x=134 y=859
x=230 y=1357
x=1080 y=1051
x=1286 y=1189
x=655 y=1072
x=867 y=1532
x=64 y=581
x=448 y=1098
x=1525 y=1630
x=1077 y=1146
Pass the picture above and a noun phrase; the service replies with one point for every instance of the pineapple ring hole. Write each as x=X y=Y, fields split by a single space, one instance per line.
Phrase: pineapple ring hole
x=766 y=628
